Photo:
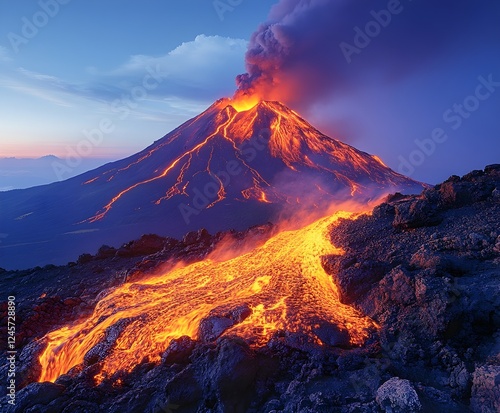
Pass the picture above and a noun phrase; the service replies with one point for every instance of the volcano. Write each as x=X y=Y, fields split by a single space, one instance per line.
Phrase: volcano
x=231 y=167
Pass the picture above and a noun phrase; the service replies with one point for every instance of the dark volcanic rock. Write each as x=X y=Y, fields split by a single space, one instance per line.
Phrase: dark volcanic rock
x=37 y=394
x=425 y=268
x=486 y=389
x=147 y=244
x=234 y=374
x=81 y=406
x=398 y=396
x=357 y=277
x=184 y=388
x=415 y=214
x=456 y=192
x=437 y=299
x=196 y=237
x=332 y=334
x=219 y=320
x=179 y=350
x=105 y=252
x=84 y=259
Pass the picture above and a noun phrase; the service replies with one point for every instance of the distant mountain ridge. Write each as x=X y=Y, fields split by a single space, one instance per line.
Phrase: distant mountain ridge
x=220 y=170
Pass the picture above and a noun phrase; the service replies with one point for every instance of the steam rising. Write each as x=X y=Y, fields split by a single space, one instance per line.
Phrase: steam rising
x=295 y=56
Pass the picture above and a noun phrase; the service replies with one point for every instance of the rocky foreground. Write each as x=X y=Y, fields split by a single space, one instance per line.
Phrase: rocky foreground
x=426 y=268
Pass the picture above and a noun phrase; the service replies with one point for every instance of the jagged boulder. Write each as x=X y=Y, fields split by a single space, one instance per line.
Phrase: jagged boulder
x=219 y=320
x=147 y=244
x=398 y=396
x=486 y=390
x=179 y=350
x=196 y=237
x=415 y=214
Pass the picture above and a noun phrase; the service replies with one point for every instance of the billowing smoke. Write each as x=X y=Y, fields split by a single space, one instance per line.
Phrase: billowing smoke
x=310 y=49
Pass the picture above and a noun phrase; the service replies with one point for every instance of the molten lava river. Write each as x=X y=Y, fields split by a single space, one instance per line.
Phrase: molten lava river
x=281 y=283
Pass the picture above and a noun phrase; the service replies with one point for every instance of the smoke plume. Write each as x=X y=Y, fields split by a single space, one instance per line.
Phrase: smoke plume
x=296 y=56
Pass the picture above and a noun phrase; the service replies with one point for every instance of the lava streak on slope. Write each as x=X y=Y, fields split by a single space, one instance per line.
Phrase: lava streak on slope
x=190 y=160
x=106 y=209
x=278 y=286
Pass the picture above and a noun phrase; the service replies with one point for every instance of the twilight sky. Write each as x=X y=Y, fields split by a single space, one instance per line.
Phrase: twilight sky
x=422 y=90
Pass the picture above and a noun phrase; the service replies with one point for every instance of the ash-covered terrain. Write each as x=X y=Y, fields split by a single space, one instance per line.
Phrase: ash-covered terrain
x=425 y=269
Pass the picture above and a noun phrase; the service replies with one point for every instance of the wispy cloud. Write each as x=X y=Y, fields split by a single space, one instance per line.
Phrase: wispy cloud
x=203 y=68
x=192 y=75
x=55 y=84
x=33 y=90
x=199 y=56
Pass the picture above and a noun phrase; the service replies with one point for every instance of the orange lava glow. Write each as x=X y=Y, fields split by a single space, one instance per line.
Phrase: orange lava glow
x=185 y=155
x=380 y=161
x=263 y=198
x=282 y=282
x=292 y=140
x=243 y=103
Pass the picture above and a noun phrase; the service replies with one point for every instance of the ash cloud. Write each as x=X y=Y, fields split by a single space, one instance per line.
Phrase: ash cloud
x=296 y=56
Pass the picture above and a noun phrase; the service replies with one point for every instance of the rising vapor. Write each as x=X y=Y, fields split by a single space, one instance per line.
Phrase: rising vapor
x=296 y=58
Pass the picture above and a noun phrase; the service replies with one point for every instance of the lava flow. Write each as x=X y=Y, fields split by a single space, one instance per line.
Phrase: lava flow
x=278 y=286
x=240 y=151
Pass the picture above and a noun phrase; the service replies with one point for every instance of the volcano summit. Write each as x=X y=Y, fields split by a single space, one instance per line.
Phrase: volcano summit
x=233 y=166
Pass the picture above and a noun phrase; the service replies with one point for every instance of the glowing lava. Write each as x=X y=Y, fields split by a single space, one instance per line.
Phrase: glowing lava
x=259 y=141
x=281 y=283
x=243 y=102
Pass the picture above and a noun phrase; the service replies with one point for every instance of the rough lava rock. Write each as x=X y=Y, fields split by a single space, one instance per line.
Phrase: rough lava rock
x=425 y=268
x=486 y=389
x=398 y=396
x=438 y=300
x=35 y=396
x=219 y=320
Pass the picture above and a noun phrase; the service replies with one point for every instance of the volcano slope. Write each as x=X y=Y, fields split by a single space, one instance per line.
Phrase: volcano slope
x=221 y=170
x=424 y=269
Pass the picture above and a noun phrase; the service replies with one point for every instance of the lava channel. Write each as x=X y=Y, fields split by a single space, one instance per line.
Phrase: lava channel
x=278 y=286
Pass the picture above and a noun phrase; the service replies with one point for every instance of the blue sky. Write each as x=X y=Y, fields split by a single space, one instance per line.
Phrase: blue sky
x=65 y=79
x=128 y=72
